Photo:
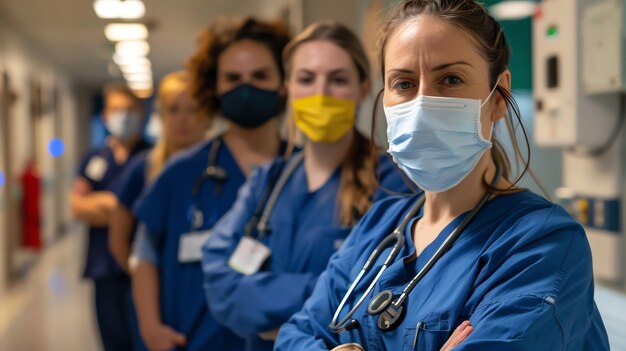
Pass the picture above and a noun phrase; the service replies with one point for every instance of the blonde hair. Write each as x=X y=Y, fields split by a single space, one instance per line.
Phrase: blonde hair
x=358 y=180
x=171 y=85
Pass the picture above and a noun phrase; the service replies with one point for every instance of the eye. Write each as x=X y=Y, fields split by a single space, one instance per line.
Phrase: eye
x=260 y=75
x=305 y=79
x=232 y=77
x=452 y=80
x=403 y=85
x=340 y=80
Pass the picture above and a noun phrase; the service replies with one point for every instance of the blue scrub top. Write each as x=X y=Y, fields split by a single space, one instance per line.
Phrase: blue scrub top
x=521 y=272
x=99 y=263
x=165 y=208
x=133 y=180
x=305 y=232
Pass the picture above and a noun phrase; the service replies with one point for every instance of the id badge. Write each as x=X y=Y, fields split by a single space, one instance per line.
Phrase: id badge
x=249 y=256
x=190 y=246
x=96 y=168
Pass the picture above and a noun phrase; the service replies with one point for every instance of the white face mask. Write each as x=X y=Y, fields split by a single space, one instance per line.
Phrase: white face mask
x=122 y=124
x=436 y=141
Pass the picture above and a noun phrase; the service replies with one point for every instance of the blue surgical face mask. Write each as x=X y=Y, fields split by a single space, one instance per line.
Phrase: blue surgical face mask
x=249 y=106
x=123 y=124
x=436 y=141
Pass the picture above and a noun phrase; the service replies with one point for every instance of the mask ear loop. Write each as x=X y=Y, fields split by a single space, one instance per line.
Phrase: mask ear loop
x=493 y=125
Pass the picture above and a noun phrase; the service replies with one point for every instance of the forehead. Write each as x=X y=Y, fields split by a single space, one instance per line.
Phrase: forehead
x=430 y=41
x=321 y=55
x=116 y=98
x=247 y=53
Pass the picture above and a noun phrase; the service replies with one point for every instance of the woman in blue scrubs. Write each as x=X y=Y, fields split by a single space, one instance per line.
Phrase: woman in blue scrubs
x=265 y=255
x=237 y=72
x=516 y=275
x=182 y=126
x=92 y=200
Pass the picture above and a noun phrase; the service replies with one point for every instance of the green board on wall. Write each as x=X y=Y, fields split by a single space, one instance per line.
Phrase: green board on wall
x=518 y=34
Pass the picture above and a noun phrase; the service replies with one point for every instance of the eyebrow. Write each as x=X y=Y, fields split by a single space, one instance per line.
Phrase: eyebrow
x=257 y=70
x=436 y=68
x=335 y=71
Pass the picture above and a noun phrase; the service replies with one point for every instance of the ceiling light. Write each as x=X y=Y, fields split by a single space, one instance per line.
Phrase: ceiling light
x=131 y=61
x=132 y=48
x=130 y=69
x=140 y=85
x=513 y=9
x=126 y=31
x=138 y=77
x=128 y=9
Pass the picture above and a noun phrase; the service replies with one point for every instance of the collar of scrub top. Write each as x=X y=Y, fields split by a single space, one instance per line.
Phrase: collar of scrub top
x=218 y=175
x=278 y=179
x=389 y=308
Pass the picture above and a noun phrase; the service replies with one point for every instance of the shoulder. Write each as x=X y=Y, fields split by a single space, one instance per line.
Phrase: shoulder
x=382 y=218
x=139 y=160
x=532 y=217
x=181 y=160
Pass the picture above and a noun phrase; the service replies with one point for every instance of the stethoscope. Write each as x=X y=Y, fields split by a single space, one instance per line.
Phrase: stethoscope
x=390 y=309
x=278 y=179
x=213 y=172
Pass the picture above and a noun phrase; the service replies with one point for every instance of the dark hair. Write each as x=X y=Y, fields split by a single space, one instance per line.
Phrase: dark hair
x=358 y=176
x=216 y=39
x=122 y=89
x=474 y=19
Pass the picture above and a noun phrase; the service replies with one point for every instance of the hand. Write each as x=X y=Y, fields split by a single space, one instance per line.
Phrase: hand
x=460 y=334
x=269 y=335
x=162 y=338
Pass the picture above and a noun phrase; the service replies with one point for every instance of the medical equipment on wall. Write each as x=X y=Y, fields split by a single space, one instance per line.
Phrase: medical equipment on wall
x=579 y=66
x=391 y=309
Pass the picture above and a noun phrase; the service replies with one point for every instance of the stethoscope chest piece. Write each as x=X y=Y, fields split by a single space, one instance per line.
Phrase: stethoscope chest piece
x=380 y=302
x=389 y=315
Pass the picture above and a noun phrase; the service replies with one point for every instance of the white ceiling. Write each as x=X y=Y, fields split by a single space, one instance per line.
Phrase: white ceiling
x=69 y=33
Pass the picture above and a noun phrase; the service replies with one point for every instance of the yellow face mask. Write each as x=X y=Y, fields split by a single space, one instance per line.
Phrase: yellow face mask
x=324 y=119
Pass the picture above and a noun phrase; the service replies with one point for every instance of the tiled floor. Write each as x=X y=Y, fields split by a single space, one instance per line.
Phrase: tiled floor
x=52 y=311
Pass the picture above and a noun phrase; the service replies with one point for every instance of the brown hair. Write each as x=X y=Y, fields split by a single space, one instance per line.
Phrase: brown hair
x=172 y=84
x=474 y=19
x=358 y=171
x=122 y=89
x=216 y=39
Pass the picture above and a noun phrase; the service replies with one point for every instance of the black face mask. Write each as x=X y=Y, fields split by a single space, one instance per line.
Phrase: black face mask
x=248 y=106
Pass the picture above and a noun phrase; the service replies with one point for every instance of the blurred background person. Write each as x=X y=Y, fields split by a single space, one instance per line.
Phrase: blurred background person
x=92 y=200
x=181 y=127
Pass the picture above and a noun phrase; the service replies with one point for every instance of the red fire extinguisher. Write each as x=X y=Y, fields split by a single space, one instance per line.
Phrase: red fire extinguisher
x=31 y=213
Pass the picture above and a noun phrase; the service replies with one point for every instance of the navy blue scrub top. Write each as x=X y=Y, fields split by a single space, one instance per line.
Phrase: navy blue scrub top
x=133 y=180
x=166 y=209
x=99 y=262
x=521 y=272
x=305 y=232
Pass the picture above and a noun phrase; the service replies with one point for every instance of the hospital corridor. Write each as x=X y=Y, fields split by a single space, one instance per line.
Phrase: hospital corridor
x=329 y=175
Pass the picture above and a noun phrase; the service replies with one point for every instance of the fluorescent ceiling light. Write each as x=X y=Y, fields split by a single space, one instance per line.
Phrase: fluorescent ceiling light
x=513 y=9
x=126 y=31
x=140 y=85
x=128 y=9
x=130 y=69
x=131 y=61
x=138 y=77
x=132 y=48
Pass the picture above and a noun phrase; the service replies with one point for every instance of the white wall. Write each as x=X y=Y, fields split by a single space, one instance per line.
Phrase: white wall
x=24 y=62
